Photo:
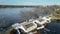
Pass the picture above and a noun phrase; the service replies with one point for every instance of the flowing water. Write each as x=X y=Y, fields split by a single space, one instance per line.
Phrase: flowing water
x=11 y=15
x=18 y=31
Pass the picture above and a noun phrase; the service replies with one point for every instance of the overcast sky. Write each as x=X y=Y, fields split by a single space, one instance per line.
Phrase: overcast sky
x=29 y=2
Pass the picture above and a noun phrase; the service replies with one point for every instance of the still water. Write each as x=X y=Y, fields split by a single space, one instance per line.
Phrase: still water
x=11 y=15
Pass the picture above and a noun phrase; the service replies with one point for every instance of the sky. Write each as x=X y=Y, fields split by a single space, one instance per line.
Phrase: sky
x=29 y=2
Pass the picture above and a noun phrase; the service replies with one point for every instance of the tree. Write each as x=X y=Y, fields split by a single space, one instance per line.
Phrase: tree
x=35 y=13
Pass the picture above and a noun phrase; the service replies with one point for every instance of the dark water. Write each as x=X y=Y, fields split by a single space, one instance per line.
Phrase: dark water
x=8 y=16
x=54 y=26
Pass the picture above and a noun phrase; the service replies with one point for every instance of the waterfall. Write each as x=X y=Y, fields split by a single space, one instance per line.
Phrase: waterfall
x=18 y=31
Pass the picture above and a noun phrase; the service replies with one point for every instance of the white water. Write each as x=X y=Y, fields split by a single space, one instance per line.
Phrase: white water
x=18 y=31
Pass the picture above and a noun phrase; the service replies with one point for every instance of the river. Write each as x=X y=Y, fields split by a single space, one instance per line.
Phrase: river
x=11 y=15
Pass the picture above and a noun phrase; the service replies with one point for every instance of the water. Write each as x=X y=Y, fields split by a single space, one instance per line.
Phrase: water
x=11 y=15
x=18 y=31
x=10 y=12
x=54 y=27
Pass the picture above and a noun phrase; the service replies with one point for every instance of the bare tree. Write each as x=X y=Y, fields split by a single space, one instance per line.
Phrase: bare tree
x=27 y=14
